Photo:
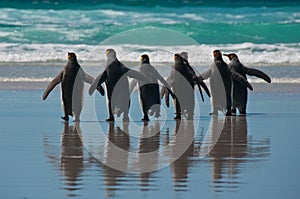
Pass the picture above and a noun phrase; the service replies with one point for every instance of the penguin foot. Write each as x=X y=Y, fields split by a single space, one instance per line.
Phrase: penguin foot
x=110 y=119
x=213 y=113
x=233 y=111
x=145 y=119
x=228 y=113
x=177 y=117
x=65 y=118
x=242 y=113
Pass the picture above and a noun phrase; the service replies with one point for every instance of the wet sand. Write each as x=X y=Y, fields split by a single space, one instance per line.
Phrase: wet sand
x=233 y=157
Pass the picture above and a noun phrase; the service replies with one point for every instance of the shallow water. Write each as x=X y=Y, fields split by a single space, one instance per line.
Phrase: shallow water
x=256 y=155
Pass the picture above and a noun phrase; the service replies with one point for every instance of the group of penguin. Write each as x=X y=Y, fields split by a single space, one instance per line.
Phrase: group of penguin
x=228 y=86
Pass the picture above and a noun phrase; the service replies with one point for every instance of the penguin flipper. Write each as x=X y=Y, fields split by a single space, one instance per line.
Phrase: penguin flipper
x=258 y=73
x=203 y=85
x=138 y=75
x=200 y=90
x=163 y=92
x=100 y=89
x=166 y=85
x=199 y=81
x=52 y=84
x=235 y=75
x=88 y=79
x=97 y=84
x=167 y=98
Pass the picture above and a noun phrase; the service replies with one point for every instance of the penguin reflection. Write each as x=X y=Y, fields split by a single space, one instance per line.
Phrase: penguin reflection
x=148 y=151
x=71 y=161
x=229 y=151
x=116 y=137
x=183 y=137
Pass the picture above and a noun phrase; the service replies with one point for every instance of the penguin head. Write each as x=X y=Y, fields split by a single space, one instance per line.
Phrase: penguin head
x=71 y=56
x=178 y=58
x=184 y=55
x=145 y=59
x=111 y=53
x=231 y=56
x=217 y=54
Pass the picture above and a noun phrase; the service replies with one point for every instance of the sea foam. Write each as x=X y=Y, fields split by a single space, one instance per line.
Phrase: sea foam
x=249 y=53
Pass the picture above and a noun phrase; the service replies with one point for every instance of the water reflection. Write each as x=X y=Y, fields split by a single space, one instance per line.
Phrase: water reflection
x=181 y=165
x=231 y=151
x=120 y=138
x=225 y=149
x=70 y=160
x=149 y=142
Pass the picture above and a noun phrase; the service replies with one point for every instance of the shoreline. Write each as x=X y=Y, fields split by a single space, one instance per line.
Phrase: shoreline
x=283 y=88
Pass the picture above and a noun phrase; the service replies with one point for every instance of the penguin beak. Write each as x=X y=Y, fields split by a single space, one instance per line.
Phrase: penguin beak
x=229 y=56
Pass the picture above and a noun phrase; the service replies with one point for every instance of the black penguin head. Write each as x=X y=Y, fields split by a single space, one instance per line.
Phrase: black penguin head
x=111 y=53
x=145 y=59
x=184 y=55
x=178 y=58
x=71 y=56
x=231 y=56
x=217 y=54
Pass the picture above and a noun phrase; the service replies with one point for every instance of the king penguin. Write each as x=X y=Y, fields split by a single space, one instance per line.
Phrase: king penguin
x=240 y=92
x=115 y=76
x=220 y=78
x=149 y=93
x=72 y=78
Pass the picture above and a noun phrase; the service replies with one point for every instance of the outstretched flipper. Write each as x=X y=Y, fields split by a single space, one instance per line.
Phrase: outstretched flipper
x=258 y=73
x=241 y=79
x=137 y=75
x=89 y=79
x=52 y=84
x=97 y=84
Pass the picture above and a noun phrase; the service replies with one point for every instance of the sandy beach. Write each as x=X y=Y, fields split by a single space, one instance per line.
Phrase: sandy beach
x=44 y=158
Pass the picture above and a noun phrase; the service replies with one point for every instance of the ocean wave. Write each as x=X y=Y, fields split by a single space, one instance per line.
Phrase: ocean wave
x=250 y=54
x=25 y=79
x=209 y=25
x=284 y=80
